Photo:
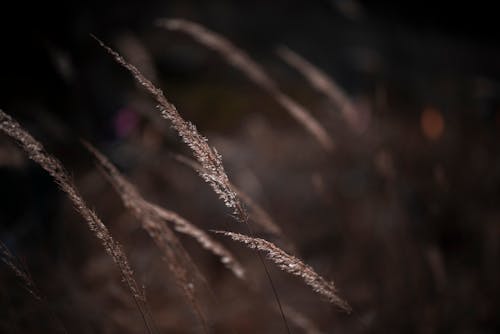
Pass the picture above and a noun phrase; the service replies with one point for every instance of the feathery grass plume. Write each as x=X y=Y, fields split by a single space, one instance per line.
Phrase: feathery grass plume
x=260 y=216
x=133 y=199
x=37 y=153
x=213 y=169
x=255 y=72
x=323 y=83
x=293 y=266
x=178 y=260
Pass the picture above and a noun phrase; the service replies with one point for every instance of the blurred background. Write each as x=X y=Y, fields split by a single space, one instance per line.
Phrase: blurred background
x=403 y=215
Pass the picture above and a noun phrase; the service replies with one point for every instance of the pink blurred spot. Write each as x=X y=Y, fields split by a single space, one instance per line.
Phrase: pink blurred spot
x=125 y=122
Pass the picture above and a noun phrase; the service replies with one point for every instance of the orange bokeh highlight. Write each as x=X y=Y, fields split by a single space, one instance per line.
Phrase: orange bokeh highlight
x=432 y=123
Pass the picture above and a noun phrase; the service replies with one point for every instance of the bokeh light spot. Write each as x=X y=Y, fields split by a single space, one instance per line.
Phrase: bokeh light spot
x=432 y=123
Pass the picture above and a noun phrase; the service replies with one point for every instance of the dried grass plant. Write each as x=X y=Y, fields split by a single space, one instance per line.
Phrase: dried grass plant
x=255 y=72
x=213 y=170
x=293 y=266
x=178 y=260
x=156 y=220
x=37 y=153
x=143 y=208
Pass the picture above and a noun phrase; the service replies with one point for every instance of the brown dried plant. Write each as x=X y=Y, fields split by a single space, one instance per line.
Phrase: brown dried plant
x=178 y=260
x=255 y=72
x=293 y=266
x=325 y=84
x=213 y=170
x=134 y=201
x=37 y=153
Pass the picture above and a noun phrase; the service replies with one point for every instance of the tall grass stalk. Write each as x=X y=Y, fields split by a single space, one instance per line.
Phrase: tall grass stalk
x=38 y=154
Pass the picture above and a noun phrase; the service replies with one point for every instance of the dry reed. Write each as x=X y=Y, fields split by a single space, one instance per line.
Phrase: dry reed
x=255 y=72
x=37 y=153
x=293 y=266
